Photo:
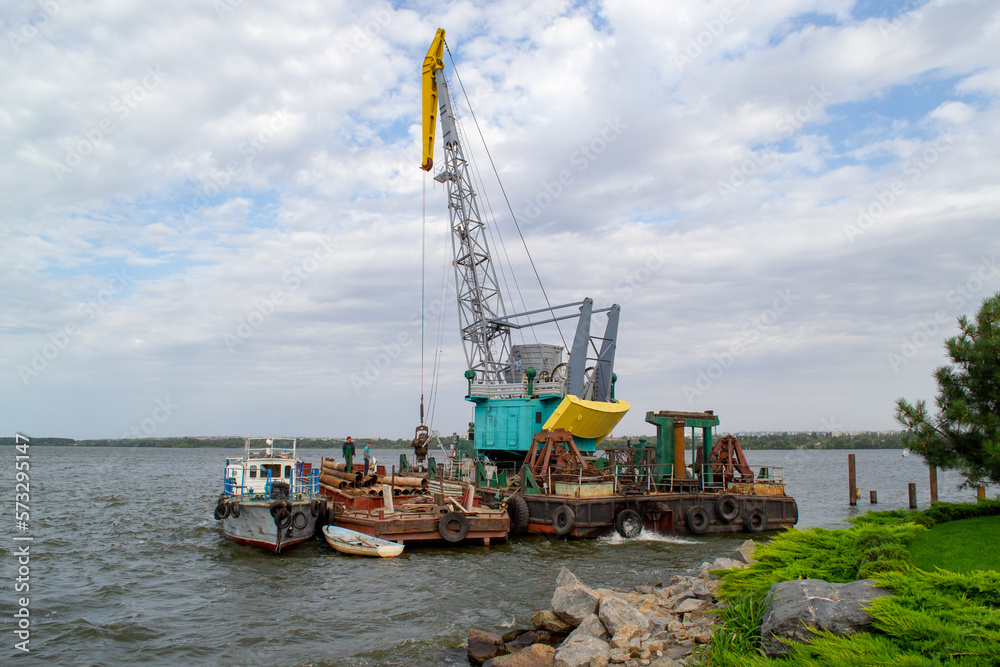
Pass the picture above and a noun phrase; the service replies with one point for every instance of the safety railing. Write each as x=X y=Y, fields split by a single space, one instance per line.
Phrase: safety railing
x=306 y=482
x=714 y=481
x=633 y=478
x=516 y=389
x=548 y=483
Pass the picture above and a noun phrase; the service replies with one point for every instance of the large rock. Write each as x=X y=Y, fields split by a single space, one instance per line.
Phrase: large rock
x=523 y=641
x=616 y=613
x=799 y=605
x=585 y=652
x=664 y=662
x=572 y=600
x=537 y=655
x=484 y=645
x=624 y=635
x=689 y=604
x=698 y=590
x=550 y=621
x=589 y=627
x=745 y=552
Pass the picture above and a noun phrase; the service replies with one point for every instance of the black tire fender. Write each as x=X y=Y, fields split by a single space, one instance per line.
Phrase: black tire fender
x=445 y=527
x=299 y=520
x=282 y=518
x=275 y=506
x=697 y=519
x=563 y=520
x=755 y=521
x=234 y=510
x=727 y=508
x=517 y=510
x=221 y=511
x=315 y=506
x=628 y=523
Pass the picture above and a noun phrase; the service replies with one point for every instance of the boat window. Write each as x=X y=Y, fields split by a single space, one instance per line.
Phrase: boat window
x=273 y=468
x=288 y=472
x=253 y=472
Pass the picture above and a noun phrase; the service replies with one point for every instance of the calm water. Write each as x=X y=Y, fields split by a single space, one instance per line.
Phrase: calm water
x=128 y=566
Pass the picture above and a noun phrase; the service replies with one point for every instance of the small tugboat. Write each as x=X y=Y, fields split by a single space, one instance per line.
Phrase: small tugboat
x=354 y=543
x=270 y=499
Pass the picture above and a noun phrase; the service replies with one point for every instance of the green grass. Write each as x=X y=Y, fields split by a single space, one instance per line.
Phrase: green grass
x=933 y=617
x=959 y=546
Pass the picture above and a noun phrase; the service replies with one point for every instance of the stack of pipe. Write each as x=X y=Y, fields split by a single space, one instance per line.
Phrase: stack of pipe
x=406 y=482
x=335 y=474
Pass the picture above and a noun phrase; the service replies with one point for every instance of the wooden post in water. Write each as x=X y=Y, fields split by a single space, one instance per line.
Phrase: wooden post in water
x=913 y=496
x=852 y=480
x=873 y=496
x=934 y=497
x=981 y=492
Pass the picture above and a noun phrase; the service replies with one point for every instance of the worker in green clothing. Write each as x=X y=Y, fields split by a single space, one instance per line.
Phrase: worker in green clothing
x=349 y=453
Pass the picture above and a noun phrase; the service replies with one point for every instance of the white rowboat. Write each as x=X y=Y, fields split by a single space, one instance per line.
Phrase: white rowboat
x=358 y=544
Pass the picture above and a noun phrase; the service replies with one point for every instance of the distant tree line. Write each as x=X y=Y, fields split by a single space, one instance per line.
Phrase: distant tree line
x=801 y=440
x=220 y=443
x=787 y=440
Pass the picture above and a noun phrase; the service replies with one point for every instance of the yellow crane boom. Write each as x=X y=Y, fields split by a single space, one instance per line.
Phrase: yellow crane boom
x=433 y=62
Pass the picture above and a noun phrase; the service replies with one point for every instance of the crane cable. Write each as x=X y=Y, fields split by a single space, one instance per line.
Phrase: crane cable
x=504 y=192
x=423 y=280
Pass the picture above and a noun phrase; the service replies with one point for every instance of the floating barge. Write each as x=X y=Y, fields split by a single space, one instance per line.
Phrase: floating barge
x=407 y=509
x=541 y=420
x=561 y=492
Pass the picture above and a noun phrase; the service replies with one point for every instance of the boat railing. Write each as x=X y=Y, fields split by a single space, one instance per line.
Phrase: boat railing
x=516 y=389
x=306 y=481
x=715 y=481
x=633 y=477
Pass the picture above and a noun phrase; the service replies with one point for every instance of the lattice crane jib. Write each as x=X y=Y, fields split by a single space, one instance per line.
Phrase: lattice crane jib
x=480 y=302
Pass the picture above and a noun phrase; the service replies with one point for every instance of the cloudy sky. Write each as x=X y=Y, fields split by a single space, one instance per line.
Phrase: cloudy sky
x=213 y=213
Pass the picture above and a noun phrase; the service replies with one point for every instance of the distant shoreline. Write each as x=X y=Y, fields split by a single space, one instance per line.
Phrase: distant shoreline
x=771 y=440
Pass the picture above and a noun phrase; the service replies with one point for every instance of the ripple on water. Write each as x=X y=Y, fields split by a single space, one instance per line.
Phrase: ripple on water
x=127 y=574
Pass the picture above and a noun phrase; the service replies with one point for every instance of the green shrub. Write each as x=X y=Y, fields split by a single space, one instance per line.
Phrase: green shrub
x=931 y=618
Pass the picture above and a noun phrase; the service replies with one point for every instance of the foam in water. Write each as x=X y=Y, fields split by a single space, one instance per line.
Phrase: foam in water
x=644 y=536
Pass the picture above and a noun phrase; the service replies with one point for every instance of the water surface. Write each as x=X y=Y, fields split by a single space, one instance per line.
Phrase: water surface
x=128 y=566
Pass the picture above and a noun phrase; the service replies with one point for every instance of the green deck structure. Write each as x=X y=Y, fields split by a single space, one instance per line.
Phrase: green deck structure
x=665 y=421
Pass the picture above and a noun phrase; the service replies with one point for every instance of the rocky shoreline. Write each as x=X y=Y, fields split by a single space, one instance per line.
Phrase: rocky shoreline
x=659 y=625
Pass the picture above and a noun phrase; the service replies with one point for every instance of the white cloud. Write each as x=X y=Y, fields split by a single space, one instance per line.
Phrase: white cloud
x=259 y=170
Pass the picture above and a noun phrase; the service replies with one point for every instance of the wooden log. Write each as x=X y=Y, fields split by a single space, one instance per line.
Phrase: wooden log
x=873 y=496
x=913 y=496
x=934 y=489
x=458 y=506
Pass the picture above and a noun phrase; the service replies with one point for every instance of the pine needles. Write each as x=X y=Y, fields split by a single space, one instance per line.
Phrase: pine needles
x=931 y=618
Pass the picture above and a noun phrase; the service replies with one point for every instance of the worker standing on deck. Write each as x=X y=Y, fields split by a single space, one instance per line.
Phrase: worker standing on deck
x=368 y=456
x=349 y=453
